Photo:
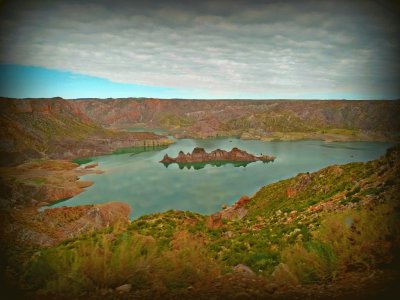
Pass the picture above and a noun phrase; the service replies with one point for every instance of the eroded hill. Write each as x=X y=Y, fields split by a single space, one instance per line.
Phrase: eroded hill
x=58 y=128
x=251 y=119
x=55 y=128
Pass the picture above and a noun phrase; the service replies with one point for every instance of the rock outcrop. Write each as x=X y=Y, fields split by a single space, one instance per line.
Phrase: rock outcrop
x=38 y=183
x=42 y=182
x=58 y=129
x=235 y=212
x=200 y=155
x=32 y=228
x=67 y=129
x=72 y=221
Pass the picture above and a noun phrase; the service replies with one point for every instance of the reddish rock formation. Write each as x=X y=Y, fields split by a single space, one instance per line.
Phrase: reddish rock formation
x=71 y=221
x=236 y=211
x=302 y=181
x=80 y=128
x=30 y=227
x=68 y=133
x=42 y=182
x=200 y=155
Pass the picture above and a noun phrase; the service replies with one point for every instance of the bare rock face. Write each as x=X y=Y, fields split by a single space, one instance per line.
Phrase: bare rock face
x=67 y=222
x=235 y=212
x=124 y=288
x=302 y=181
x=75 y=220
x=243 y=270
x=200 y=155
x=53 y=225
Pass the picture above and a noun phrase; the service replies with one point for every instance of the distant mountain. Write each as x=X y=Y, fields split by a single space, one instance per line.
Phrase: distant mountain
x=58 y=128
x=257 y=119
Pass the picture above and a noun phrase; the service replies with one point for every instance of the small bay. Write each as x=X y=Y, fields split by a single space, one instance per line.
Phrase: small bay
x=149 y=187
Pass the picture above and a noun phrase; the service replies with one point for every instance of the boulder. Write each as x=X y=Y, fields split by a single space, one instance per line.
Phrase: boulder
x=90 y=166
x=244 y=270
x=125 y=288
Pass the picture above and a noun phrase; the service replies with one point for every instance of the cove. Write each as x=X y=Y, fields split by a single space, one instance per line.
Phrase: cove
x=149 y=187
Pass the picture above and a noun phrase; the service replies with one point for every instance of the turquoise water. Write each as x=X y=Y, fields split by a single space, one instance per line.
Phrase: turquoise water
x=148 y=186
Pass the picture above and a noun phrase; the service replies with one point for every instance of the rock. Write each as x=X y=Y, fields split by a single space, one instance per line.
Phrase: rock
x=125 y=288
x=215 y=220
x=228 y=234
x=72 y=221
x=84 y=184
x=242 y=201
x=200 y=155
x=90 y=166
x=244 y=270
x=302 y=180
x=167 y=159
x=290 y=192
x=241 y=213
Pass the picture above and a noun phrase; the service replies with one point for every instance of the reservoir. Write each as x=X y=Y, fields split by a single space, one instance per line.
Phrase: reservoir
x=148 y=186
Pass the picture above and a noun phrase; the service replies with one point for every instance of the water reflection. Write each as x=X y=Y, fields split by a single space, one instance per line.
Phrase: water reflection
x=148 y=187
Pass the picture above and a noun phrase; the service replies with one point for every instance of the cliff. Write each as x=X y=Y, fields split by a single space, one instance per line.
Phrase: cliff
x=270 y=119
x=56 y=129
x=66 y=129
x=30 y=186
x=200 y=155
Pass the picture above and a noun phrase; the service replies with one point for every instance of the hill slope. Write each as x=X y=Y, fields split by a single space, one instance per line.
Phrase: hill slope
x=331 y=233
x=249 y=118
x=58 y=128
x=54 y=128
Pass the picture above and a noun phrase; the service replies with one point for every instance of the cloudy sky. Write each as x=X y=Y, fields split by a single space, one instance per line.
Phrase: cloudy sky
x=200 y=49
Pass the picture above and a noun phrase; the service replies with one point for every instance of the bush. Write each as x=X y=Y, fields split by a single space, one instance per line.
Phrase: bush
x=312 y=262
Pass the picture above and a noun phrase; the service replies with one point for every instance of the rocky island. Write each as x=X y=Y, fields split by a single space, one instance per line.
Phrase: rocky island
x=199 y=155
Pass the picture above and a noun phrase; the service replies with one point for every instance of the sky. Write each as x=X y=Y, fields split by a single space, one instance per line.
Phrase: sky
x=211 y=49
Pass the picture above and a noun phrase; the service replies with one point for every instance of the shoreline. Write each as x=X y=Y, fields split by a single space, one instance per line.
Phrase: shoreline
x=64 y=228
x=83 y=167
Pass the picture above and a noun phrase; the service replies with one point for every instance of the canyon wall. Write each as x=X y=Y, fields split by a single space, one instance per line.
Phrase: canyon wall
x=58 y=128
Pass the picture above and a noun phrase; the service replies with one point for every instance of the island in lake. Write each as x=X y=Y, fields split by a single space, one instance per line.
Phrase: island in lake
x=216 y=157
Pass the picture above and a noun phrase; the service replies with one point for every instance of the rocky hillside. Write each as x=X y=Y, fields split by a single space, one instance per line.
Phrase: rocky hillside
x=251 y=119
x=54 y=128
x=333 y=233
x=65 y=129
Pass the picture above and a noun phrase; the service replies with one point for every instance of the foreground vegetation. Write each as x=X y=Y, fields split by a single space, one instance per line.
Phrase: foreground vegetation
x=311 y=229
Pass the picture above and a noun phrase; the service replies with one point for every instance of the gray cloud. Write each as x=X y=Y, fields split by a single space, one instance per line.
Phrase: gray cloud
x=225 y=48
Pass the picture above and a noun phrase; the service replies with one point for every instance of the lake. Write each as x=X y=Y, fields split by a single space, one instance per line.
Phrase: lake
x=148 y=186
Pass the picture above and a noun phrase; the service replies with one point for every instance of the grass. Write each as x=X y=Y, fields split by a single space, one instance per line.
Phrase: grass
x=138 y=149
x=340 y=131
x=82 y=161
x=336 y=220
x=175 y=121
x=115 y=257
